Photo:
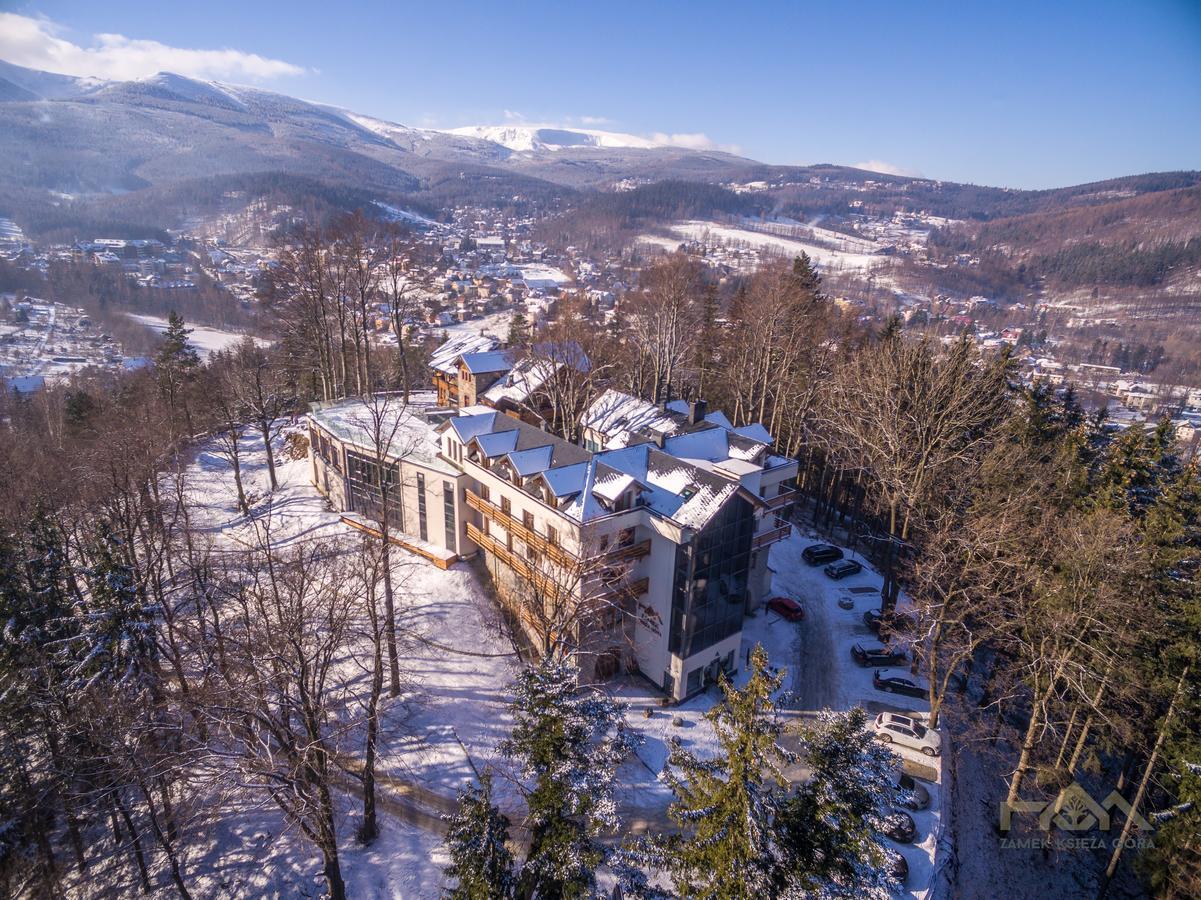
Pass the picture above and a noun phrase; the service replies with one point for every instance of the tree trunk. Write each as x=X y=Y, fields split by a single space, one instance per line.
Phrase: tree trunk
x=265 y=428
x=370 y=830
x=135 y=843
x=1142 y=785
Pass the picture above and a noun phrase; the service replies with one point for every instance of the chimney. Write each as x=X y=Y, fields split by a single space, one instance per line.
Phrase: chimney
x=696 y=411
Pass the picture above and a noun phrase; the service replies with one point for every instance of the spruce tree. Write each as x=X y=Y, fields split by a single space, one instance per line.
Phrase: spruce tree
x=725 y=807
x=569 y=742
x=476 y=836
x=176 y=365
x=115 y=643
x=830 y=827
x=518 y=329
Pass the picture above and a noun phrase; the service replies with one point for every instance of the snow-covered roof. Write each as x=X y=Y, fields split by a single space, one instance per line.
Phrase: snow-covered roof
x=487 y=361
x=520 y=382
x=444 y=358
x=405 y=430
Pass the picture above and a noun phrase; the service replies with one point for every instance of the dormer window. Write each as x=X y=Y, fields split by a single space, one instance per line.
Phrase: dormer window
x=688 y=492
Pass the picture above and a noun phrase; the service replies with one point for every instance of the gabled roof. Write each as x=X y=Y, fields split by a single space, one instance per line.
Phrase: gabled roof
x=487 y=361
x=496 y=443
x=444 y=358
x=529 y=462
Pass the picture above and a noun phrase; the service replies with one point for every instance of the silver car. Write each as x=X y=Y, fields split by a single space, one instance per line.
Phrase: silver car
x=908 y=732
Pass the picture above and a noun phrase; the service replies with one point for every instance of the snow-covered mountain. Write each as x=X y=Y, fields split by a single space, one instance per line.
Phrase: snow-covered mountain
x=87 y=137
x=539 y=138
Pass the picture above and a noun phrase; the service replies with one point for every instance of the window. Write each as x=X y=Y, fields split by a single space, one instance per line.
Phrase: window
x=423 y=531
x=484 y=495
x=448 y=514
x=505 y=506
x=527 y=519
x=552 y=536
x=626 y=538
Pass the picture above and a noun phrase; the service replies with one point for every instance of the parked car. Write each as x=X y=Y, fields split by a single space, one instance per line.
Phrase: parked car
x=912 y=794
x=816 y=554
x=787 y=608
x=898 y=868
x=844 y=568
x=899 y=826
x=899 y=621
x=908 y=732
x=898 y=684
x=877 y=655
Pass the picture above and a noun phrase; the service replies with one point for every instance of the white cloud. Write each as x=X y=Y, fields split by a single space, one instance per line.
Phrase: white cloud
x=885 y=168
x=36 y=44
x=593 y=121
x=513 y=116
x=693 y=141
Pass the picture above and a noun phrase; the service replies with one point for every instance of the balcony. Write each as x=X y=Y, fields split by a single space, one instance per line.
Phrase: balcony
x=767 y=538
x=784 y=498
x=546 y=583
x=519 y=530
x=629 y=551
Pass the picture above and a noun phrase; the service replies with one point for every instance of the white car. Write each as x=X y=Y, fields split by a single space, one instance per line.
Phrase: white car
x=908 y=732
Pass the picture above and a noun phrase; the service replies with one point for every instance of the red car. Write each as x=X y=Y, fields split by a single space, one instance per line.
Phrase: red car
x=786 y=607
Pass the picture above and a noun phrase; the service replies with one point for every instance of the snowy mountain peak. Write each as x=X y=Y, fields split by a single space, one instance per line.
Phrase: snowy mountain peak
x=536 y=138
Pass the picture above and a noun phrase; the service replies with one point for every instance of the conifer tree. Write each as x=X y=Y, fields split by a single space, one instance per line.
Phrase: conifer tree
x=569 y=742
x=115 y=642
x=176 y=364
x=725 y=807
x=830 y=826
x=518 y=329
x=476 y=836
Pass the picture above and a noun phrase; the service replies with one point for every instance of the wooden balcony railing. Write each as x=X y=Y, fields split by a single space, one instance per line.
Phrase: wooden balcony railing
x=784 y=498
x=519 y=530
x=592 y=586
x=629 y=551
x=767 y=538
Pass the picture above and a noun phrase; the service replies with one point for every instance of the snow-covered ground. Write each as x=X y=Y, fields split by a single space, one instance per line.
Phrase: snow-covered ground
x=494 y=325
x=457 y=704
x=206 y=340
x=537 y=276
x=824 y=257
x=827 y=675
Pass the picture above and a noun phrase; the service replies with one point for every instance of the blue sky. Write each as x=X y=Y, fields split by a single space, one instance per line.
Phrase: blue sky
x=1015 y=94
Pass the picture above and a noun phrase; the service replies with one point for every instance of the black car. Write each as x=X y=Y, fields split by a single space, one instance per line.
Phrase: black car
x=844 y=568
x=911 y=793
x=898 y=867
x=876 y=655
x=899 y=621
x=899 y=826
x=816 y=554
x=896 y=684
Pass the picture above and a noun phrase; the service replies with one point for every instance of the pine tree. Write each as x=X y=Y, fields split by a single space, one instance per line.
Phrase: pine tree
x=177 y=351
x=830 y=826
x=475 y=839
x=569 y=742
x=725 y=807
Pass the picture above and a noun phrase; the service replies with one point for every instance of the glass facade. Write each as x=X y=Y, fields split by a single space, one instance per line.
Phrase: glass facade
x=363 y=488
x=710 y=586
